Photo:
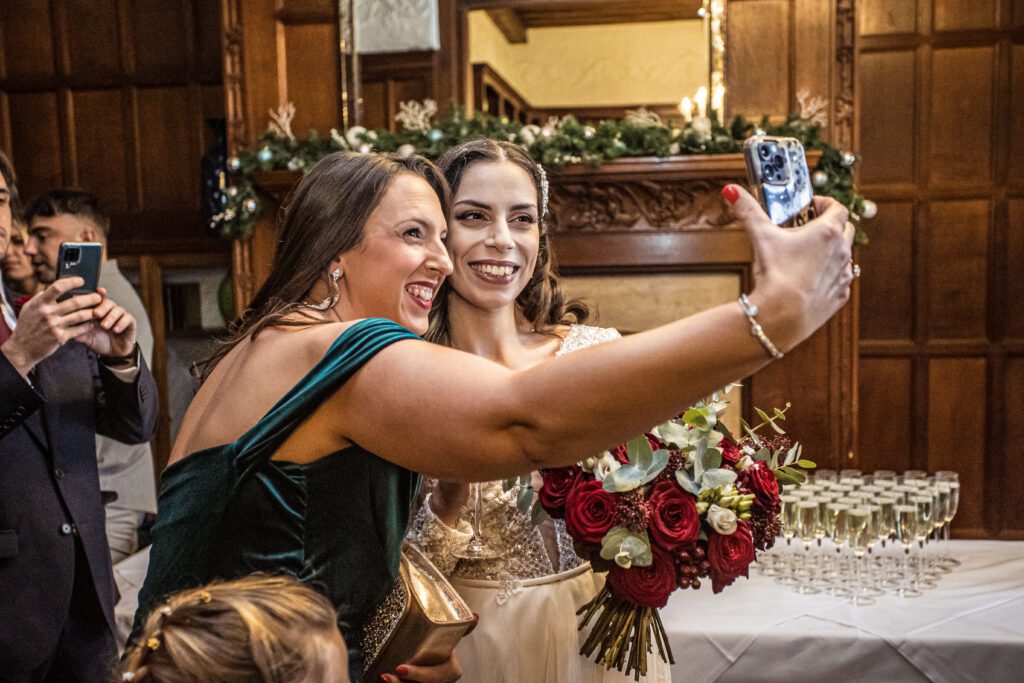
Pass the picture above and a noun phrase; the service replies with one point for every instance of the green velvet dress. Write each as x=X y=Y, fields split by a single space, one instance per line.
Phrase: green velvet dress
x=336 y=523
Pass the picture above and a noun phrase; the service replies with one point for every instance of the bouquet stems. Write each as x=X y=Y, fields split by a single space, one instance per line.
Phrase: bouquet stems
x=623 y=633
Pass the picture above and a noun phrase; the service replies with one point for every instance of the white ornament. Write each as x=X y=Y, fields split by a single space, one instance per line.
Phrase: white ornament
x=869 y=210
x=849 y=158
x=674 y=149
x=528 y=134
x=406 y=150
x=353 y=136
x=281 y=121
x=249 y=205
x=414 y=115
x=231 y=190
x=338 y=139
x=701 y=126
x=295 y=163
x=589 y=132
x=365 y=148
x=819 y=178
x=234 y=163
x=643 y=117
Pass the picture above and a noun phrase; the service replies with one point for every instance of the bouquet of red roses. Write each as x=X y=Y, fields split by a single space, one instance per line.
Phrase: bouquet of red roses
x=683 y=502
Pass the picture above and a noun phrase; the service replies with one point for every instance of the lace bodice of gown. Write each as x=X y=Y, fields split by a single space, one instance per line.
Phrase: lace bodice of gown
x=524 y=553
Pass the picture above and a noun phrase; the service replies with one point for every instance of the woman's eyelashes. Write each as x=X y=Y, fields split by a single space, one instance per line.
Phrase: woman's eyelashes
x=521 y=219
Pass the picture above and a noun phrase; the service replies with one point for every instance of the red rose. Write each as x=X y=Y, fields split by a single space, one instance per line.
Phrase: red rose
x=648 y=586
x=761 y=481
x=589 y=512
x=731 y=452
x=621 y=453
x=558 y=483
x=674 y=520
x=730 y=556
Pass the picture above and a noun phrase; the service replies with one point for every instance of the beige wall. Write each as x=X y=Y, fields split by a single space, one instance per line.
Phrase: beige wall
x=616 y=64
x=633 y=303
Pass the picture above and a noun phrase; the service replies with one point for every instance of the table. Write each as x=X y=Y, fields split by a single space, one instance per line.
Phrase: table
x=969 y=628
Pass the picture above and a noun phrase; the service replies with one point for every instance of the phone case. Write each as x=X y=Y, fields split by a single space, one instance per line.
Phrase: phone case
x=777 y=170
x=82 y=259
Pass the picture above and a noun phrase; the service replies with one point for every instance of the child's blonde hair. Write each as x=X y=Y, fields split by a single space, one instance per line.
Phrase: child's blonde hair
x=259 y=628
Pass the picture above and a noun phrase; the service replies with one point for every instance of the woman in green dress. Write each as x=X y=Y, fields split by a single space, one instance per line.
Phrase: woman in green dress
x=302 y=450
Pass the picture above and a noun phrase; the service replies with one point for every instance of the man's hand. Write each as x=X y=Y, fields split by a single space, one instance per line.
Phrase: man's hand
x=112 y=330
x=44 y=325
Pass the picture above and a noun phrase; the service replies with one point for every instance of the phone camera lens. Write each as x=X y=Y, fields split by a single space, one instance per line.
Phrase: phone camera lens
x=779 y=160
x=72 y=255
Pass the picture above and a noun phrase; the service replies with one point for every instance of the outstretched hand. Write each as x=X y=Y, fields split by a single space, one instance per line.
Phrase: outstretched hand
x=807 y=268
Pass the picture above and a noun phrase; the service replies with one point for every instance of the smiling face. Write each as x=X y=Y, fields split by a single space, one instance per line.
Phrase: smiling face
x=401 y=259
x=493 y=235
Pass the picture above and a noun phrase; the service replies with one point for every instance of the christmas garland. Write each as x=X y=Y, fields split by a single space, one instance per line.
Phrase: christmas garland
x=560 y=142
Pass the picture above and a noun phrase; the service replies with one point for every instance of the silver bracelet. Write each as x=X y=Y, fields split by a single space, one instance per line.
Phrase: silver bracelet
x=750 y=310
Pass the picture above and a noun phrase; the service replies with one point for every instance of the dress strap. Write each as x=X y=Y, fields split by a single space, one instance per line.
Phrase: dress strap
x=349 y=352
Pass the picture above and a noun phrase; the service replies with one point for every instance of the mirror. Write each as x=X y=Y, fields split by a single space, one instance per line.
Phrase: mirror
x=594 y=59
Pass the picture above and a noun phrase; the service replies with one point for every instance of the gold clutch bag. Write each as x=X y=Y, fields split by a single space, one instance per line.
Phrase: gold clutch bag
x=420 y=621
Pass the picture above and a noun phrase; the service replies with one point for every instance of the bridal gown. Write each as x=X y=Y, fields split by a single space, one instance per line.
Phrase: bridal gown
x=526 y=600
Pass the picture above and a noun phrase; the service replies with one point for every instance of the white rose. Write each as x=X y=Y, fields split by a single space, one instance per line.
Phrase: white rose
x=605 y=465
x=352 y=135
x=744 y=462
x=722 y=520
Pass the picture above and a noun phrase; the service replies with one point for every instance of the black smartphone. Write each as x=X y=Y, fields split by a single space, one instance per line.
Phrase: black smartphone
x=777 y=170
x=82 y=259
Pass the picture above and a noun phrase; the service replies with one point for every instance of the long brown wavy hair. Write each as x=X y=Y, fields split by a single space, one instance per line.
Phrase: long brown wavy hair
x=542 y=302
x=325 y=215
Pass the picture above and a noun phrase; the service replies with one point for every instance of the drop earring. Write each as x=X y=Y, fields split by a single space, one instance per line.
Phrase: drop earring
x=332 y=300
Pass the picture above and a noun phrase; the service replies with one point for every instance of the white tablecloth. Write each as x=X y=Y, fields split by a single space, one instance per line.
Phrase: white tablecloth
x=969 y=628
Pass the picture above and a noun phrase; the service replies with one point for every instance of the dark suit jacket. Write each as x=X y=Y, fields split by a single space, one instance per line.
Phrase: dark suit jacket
x=49 y=491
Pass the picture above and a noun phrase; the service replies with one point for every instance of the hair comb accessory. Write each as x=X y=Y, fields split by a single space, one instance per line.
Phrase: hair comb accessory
x=153 y=643
x=128 y=676
x=542 y=181
x=205 y=597
x=165 y=611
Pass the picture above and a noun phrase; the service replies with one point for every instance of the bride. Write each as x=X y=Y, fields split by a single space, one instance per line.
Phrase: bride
x=503 y=302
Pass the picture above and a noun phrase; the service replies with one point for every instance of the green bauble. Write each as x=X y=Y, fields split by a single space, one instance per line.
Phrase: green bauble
x=226 y=298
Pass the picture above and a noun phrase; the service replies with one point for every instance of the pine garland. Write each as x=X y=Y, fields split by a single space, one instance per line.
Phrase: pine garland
x=560 y=142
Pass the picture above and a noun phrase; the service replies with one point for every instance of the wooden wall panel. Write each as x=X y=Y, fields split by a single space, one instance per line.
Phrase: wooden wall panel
x=879 y=17
x=887 y=99
x=35 y=136
x=1013 y=293
x=1016 y=132
x=162 y=39
x=92 y=45
x=961 y=100
x=954 y=15
x=168 y=159
x=965 y=345
x=765 y=26
x=312 y=56
x=813 y=26
x=27 y=40
x=886 y=414
x=100 y=165
x=887 y=263
x=957 y=422
x=1012 y=472
x=958 y=269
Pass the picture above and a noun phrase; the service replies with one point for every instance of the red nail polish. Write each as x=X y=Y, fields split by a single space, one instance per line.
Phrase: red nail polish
x=384 y=679
x=402 y=670
x=730 y=193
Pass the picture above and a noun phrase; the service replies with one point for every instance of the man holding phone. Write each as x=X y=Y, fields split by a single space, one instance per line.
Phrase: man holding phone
x=68 y=370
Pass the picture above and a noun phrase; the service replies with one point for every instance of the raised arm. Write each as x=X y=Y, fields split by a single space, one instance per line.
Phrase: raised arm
x=458 y=417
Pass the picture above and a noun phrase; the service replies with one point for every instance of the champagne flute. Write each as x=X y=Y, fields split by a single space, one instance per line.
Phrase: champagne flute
x=906 y=527
x=858 y=524
x=807 y=528
x=953 y=479
x=788 y=503
x=477 y=547
x=835 y=522
x=925 y=503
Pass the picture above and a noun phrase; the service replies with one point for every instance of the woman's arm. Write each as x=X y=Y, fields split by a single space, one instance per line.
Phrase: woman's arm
x=458 y=417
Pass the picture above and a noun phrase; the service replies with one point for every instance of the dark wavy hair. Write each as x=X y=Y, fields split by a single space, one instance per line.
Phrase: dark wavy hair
x=325 y=215
x=542 y=302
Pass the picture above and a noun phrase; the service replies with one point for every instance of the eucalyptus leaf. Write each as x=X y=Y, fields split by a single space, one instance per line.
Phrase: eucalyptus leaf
x=507 y=484
x=638 y=448
x=626 y=478
x=762 y=455
x=698 y=460
x=674 y=434
x=806 y=464
x=696 y=418
x=538 y=515
x=524 y=499
x=711 y=460
x=717 y=478
x=525 y=480
x=683 y=477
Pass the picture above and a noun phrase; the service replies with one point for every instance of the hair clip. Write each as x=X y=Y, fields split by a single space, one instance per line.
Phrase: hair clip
x=153 y=643
x=205 y=597
x=542 y=181
x=128 y=676
x=165 y=611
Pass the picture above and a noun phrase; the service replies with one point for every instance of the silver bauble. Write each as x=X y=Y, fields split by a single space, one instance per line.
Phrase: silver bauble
x=849 y=158
x=249 y=205
x=819 y=178
x=234 y=163
x=868 y=209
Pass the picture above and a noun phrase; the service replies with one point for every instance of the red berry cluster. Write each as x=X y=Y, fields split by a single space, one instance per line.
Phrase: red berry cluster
x=692 y=565
x=632 y=510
